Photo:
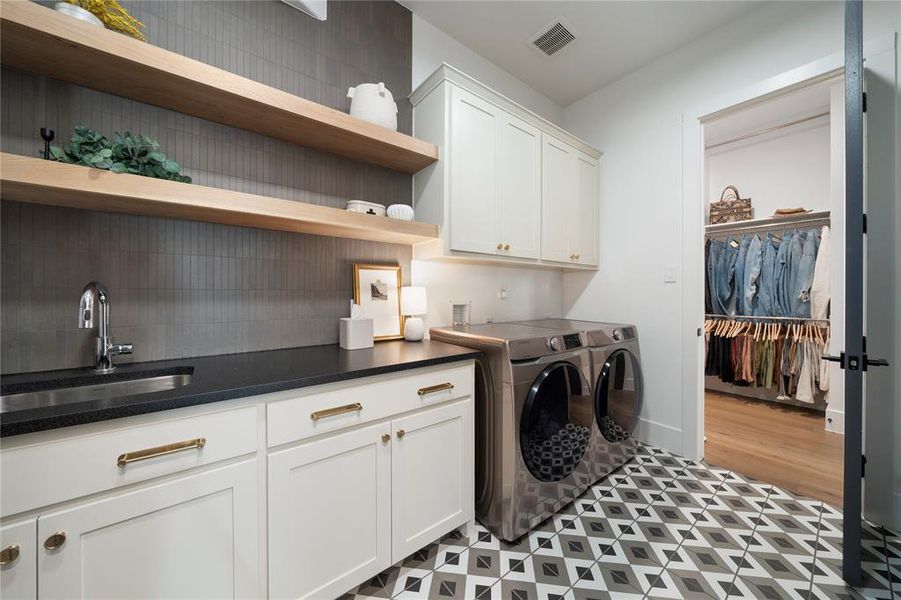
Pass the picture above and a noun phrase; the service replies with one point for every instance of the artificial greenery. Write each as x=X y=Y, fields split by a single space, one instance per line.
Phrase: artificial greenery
x=128 y=153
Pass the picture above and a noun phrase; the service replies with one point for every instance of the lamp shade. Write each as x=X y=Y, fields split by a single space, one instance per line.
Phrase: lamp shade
x=413 y=301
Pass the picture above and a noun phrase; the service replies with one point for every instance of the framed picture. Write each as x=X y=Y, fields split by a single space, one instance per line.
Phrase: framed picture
x=377 y=291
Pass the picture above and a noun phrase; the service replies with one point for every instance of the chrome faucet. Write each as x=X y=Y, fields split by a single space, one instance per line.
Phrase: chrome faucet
x=93 y=312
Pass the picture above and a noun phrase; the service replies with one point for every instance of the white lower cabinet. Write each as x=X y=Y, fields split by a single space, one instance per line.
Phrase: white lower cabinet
x=193 y=537
x=19 y=571
x=431 y=475
x=329 y=513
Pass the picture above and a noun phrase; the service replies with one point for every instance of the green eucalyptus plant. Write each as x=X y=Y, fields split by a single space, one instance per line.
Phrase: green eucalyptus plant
x=128 y=153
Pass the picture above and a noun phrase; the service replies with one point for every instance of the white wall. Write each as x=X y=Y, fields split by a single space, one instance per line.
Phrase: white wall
x=431 y=47
x=781 y=170
x=531 y=293
x=637 y=123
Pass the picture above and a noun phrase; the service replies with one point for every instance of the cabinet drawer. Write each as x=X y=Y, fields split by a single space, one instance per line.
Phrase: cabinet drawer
x=365 y=400
x=46 y=473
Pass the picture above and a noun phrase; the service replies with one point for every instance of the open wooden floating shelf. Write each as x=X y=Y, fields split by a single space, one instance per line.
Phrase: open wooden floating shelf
x=26 y=179
x=40 y=40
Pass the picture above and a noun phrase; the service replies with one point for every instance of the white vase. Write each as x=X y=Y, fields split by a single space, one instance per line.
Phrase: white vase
x=373 y=102
x=78 y=12
x=401 y=212
x=414 y=329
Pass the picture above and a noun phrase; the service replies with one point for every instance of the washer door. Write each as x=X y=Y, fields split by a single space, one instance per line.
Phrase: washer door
x=555 y=426
x=618 y=396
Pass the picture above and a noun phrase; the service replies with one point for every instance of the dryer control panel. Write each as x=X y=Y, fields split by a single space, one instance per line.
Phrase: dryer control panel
x=572 y=341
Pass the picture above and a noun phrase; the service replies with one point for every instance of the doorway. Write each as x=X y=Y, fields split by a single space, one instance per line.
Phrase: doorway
x=773 y=176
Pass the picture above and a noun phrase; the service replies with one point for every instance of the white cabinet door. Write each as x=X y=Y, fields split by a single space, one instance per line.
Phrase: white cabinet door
x=330 y=513
x=474 y=126
x=194 y=537
x=432 y=475
x=519 y=187
x=558 y=199
x=18 y=547
x=585 y=219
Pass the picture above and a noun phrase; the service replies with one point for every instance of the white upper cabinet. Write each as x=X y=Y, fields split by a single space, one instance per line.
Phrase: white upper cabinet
x=509 y=185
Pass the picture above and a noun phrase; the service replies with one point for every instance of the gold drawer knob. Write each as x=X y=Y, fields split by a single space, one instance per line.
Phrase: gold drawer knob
x=9 y=555
x=55 y=541
x=500 y=246
x=386 y=437
x=401 y=433
x=506 y=246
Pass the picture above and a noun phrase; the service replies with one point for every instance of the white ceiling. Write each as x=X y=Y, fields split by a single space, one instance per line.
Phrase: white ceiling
x=612 y=38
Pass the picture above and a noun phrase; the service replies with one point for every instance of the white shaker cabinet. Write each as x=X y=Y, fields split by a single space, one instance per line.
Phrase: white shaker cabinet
x=18 y=560
x=330 y=513
x=192 y=537
x=431 y=475
x=495 y=192
x=569 y=224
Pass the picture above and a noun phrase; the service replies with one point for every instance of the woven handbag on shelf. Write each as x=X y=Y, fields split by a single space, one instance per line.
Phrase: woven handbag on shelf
x=731 y=207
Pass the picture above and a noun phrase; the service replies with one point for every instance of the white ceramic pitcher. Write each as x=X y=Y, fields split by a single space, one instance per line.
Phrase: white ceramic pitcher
x=373 y=102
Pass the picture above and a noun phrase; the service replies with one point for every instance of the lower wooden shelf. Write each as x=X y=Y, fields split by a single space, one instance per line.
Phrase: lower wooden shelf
x=27 y=179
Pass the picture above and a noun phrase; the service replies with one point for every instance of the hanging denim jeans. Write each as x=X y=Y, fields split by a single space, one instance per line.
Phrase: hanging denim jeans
x=708 y=307
x=713 y=259
x=804 y=276
x=793 y=286
x=725 y=276
x=736 y=307
x=751 y=274
x=780 y=276
x=764 y=307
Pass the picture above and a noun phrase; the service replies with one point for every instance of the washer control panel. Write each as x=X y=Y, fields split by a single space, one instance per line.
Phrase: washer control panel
x=554 y=344
x=572 y=341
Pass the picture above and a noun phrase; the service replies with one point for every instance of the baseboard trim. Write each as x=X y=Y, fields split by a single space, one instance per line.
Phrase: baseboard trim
x=660 y=435
x=835 y=420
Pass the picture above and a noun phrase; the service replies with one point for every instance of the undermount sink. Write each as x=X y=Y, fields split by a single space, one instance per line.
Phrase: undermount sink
x=97 y=387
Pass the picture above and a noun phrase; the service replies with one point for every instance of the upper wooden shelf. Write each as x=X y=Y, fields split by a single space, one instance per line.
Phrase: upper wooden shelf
x=40 y=40
x=26 y=179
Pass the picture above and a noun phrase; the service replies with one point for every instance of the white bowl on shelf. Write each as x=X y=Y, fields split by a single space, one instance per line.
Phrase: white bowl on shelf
x=78 y=12
x=401 y=212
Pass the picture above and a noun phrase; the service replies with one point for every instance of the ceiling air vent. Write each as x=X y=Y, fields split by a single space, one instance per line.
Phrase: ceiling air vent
x=553 y=37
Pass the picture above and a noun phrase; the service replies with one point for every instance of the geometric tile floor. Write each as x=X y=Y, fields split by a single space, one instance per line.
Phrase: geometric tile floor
x=660 y=527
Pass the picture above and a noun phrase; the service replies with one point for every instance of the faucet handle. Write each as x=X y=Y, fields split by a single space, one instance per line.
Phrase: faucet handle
x=121 y=348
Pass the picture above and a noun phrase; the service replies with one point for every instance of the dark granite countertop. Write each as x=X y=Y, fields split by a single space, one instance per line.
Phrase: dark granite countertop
x=217 y=378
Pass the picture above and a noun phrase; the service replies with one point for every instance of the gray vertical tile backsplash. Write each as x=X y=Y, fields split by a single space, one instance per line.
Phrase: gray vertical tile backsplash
x=183 y=288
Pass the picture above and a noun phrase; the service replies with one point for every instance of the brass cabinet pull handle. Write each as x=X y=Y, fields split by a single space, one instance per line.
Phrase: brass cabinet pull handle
x=130 y=457
x=435 y=388
x=386 y=437
x=55 y=541
x=9 y=555
x=338 y=410
x=401 y=433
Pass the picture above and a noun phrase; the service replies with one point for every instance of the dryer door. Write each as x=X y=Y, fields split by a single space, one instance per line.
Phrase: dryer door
x=618 y=396
x=555 y=426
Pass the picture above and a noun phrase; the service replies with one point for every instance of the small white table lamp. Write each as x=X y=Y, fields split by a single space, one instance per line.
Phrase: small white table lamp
x=413 y=303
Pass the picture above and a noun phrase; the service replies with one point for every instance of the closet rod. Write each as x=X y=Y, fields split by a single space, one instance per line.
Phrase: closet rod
x=769 y=223
x=754 y=134
x=754 y=318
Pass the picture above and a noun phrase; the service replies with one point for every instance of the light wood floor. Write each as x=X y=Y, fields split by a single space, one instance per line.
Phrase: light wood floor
x=778 y=444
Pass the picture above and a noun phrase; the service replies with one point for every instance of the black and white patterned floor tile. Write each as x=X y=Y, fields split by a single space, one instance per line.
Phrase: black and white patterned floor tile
x=659 y=527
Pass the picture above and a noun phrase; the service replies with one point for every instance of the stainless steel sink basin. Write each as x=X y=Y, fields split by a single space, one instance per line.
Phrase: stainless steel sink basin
x=94 y=391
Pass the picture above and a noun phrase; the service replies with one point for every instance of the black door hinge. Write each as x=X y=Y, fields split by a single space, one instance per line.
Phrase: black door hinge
x=863 y=466
x=864 y=102
x=864 y=222
x=700 y=333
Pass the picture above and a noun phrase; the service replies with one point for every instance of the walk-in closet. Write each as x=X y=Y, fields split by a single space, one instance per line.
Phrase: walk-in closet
x=774 y=279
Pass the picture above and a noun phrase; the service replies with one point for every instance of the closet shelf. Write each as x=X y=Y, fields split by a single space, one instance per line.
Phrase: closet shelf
x=820 y=217
x=40 y=40
x=38 y=181
x=756 y=318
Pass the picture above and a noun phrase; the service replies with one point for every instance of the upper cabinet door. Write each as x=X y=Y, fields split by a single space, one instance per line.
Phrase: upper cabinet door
x=585 y=220
x=432 y=475
x=194 y=537
x=558 y=199
x=475 y=127
x=519 y=188
x=330 y=513
x=19 y=573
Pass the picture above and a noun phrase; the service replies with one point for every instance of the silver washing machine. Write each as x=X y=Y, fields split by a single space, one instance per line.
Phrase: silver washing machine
x=534 y=414
x=617 y=386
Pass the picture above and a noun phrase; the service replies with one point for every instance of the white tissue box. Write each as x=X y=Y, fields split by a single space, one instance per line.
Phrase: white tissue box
x=355 y=333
